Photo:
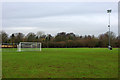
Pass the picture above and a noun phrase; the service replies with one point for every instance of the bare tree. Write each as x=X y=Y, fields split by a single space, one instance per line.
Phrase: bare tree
x=4 y=36
x=31 y=37
x=40 y=34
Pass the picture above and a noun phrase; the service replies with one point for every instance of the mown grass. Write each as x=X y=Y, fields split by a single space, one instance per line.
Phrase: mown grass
x=61 y=63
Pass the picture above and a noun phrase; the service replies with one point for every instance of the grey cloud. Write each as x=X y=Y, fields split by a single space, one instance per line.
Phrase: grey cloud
x=51 y=17
x=35 y=10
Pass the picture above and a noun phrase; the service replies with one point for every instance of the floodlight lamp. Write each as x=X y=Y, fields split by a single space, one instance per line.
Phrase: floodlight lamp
x=109 y=11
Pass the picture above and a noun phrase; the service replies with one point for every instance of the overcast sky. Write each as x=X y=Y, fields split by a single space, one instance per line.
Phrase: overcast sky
x=82 y=18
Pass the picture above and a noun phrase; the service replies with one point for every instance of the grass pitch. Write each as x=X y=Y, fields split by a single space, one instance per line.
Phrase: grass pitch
x=61 y=63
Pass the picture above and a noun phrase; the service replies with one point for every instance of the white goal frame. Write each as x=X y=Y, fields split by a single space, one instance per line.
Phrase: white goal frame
x=19 y=46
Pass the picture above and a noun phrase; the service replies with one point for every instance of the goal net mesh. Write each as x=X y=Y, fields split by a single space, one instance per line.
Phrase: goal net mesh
x=29 y=46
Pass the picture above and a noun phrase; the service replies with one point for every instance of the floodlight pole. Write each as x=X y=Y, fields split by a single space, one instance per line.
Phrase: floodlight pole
x=109 y=11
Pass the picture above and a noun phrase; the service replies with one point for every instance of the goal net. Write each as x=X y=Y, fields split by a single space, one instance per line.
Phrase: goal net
x=29 y=46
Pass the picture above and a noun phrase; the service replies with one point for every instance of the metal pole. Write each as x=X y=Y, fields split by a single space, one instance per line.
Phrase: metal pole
x=109 y=11
x=109 y=29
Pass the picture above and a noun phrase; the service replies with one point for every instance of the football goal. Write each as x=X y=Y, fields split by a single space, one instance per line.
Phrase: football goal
x=29 y=46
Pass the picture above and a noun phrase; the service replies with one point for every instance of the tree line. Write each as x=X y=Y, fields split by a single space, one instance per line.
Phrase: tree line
x=62 y=39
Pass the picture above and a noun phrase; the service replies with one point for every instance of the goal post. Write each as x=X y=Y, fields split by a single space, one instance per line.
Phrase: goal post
x=29 y=46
